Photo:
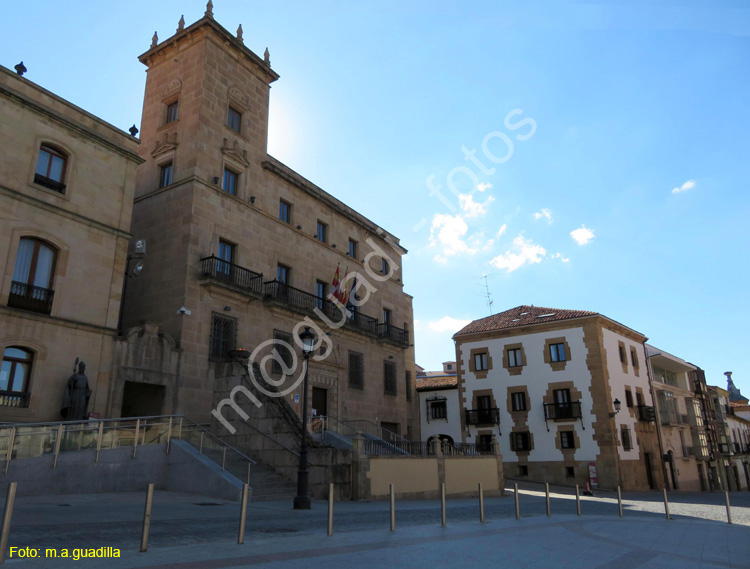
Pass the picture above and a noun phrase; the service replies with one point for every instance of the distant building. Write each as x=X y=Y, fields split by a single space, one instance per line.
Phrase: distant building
x=439 y=406
x=734 y=440
x=66 y=193
x=565 y=393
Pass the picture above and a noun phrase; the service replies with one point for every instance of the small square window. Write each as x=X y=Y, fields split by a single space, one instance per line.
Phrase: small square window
x=352 y=249
x=570 y=472
x=234 y=119
x=321 y=234
x=171 y=112
x=231 y=180
x=165 y=174
x=514 y=358
x=523 y=470
x=567 y=440
x=50 y=169
x=518 y=401
x=480 y=362
x=285 y=211
x=385 y=268
x=557 y=352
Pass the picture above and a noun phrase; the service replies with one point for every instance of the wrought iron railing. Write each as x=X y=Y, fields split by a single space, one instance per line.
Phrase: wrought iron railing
x=570 y=410
x=217 y=269
x=30 y=297
x=489 y=416
x=49 y=183
x=363 y=322
x=646 y=413
x=393 y=333
x=14 y=399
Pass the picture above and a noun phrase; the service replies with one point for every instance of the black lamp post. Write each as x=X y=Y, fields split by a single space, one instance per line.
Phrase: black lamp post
x=302 y=499
x=617 y=408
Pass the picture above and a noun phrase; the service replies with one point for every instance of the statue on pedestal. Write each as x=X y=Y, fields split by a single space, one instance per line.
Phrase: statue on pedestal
x=76 y=396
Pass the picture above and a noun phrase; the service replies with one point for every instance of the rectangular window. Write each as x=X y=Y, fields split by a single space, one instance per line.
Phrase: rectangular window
x=514 y=358
x=557 y=352
x=385 y=268
x=230 y=181
x=480 y=362
x=285 y=211
x=389 y=378
x=165 y=174
x=408 y=386
x=284 y=347
x=570 y=472
x=520 y=441
x=356 y=370
x=226 y=254
x=484 y=402
x=633 y=357
x=627 y=443
x=320 y=293
x=639 y=398
x=523 y=470
x=386 y=317
x=234 y=119
x=518 y=401
x=439 y=409
x=623 y=358
x=628 y=398
x=321 y=234
x=282 y=274
x=223 y=336
x=171 y=112
x=50 y=169
x=567 y=440
x=484 y=444
x=352 y=249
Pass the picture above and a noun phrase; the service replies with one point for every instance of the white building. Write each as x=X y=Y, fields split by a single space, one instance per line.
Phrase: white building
x=439 y=407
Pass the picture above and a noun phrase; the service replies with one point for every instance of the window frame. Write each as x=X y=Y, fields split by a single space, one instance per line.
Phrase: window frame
x=356 y=372
x=230 y=181
x=220 y=346
x=321 y=292
x=390 y=381
x=24 y=393
x=628 y=398
x=166 y=173
x=285 y=211
x=46 y=180
x=517 y=357
x=173 y=112
x=321 y=232
x=352 y=251
x=517 y=397
x=234 y=119
x=525 y=437
x=439 y=409
x=555 y=350
x=481 y=361
x=567 y=440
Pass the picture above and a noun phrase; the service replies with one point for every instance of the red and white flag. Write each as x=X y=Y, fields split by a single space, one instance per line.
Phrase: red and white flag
x=336 y=285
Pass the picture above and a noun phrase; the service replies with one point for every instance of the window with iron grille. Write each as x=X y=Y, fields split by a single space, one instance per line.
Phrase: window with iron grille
x=223 y=336
x=439 y=409
x=520 y=441
x=390 y=386
x=284 y=347
x=356 y=370
x=627 y=443
x=408 y=386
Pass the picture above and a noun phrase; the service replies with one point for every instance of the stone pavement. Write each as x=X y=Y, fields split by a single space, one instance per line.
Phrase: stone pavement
x=191 y=532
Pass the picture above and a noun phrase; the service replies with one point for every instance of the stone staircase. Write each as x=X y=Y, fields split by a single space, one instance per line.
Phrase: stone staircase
x=268 y=485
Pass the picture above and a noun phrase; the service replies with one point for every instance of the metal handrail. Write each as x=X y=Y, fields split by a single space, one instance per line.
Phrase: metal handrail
x=380 y=430
x=224 y=271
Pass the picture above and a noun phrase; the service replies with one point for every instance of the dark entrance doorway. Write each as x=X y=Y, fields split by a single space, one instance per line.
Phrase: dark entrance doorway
x=319 y=402
x=701 y=478
x=649 y=474
x=142 y=399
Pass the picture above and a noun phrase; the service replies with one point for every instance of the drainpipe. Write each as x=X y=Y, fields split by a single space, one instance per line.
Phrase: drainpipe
x=649 y=373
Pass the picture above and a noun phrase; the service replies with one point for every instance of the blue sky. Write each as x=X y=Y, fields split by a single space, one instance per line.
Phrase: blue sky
x=629 y=198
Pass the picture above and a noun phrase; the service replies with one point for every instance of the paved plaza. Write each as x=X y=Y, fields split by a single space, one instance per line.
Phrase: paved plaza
x=192 y=532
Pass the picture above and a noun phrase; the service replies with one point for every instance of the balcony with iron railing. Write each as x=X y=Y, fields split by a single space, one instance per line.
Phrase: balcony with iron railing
x=393 y=333
x=29 y=297
x=646 y=413
x=226 y=273
x=490 y=416
x=14 y=399
x=569 y=410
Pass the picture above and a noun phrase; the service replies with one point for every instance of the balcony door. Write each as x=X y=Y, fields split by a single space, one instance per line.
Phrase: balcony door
x=32 y=276
x=226 y=258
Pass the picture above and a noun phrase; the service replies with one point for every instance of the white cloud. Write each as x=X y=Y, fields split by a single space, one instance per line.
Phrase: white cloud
x=544 y=213
x=483 y=187
x=689 y=185
x=502 y=230
x=448 y=231
x=560 y=256
x=472 y=208
x=582 y=235
x=525 y=252
x=447 y=324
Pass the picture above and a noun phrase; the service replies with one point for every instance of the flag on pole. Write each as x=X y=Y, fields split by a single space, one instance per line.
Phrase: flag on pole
x=344 y=294
x=336 y=285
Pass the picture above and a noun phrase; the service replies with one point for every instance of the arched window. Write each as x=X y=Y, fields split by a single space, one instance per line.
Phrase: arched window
x=31 y=288
x=14 y=377
x=50 y=168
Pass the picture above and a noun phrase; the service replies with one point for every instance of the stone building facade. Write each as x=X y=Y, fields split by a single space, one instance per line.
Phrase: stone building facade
x=249 y=248
x=67 y=182
x=543 y=383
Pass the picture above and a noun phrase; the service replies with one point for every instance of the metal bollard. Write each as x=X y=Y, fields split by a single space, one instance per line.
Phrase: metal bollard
x=481 y=504
x=518 y=509
x=330 y=509
x=243 y=514
x=729 y=511
x=393 y=509
x=147 y=518
x=442 y=504
x=619 y=500
x=9 y=501
x=546 y=492
x=578 y=500
x=666 y=504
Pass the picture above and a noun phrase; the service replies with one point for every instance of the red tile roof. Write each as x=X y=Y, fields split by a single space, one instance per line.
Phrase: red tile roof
x=521 y=316
x=426 y=383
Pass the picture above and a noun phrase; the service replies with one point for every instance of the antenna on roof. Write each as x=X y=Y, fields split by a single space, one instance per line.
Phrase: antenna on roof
x=490 y=302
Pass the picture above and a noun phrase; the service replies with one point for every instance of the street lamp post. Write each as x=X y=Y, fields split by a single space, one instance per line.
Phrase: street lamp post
x=302 y=499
